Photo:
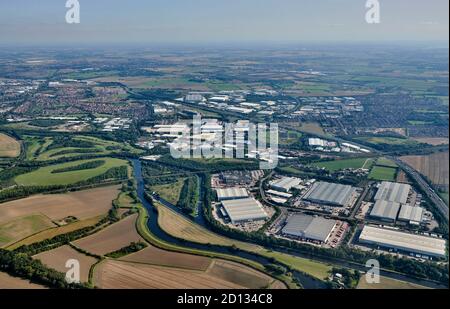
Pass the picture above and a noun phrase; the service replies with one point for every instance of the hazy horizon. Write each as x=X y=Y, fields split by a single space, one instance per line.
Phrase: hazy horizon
x=222 y=22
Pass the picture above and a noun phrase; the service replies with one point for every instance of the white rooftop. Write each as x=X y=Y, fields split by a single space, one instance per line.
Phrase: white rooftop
x=246 y=209
x=404 y=241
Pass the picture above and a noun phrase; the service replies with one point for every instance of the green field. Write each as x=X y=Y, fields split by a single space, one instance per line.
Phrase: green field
x=99 y=147
x=288 y=138
x=383 y=173
x=170 y=192
x=387 y=141
x=387 y=283
x=337 y=165
x=444 y=196
x=44 y=177
x=382 y=161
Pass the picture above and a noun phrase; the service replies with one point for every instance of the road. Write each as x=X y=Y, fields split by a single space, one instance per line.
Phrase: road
x=426 y=188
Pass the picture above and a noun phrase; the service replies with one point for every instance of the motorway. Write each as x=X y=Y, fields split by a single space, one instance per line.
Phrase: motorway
x=426 y=188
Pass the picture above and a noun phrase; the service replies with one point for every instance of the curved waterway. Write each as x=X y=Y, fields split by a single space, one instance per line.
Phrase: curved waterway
x=306 y=281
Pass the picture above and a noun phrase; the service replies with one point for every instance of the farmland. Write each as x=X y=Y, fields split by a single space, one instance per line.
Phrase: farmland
x=44 y=176
x=20 y=228
x=9 y=147
x=432 y=140
x=383 y=173
x=123 y=275
x=336 y=165
x=382 y=161
x=435 y=167
x=55 y=231
x=396 y=141
x=388 y=283
x=58 y=257
x=82 y=205
x=155 y=256
x=182 y=228
x=8 y=282
x=114 y=237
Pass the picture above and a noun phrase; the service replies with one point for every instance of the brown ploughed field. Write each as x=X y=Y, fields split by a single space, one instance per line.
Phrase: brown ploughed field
x=58 y=257
x=112 y=238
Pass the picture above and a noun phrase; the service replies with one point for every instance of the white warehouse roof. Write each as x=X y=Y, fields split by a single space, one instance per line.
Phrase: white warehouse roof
x=414 y=243
x=285 y=183
x=411 y=214
x=329 y=193
x=385 y=210
x=231 y=193
x=393 y=192
x=247 y=209
x=309 y=227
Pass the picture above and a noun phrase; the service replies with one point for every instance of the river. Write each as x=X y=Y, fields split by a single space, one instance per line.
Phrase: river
x=307 y=282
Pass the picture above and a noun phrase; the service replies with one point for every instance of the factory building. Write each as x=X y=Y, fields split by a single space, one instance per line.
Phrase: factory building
x=285 y=184
x=403 y=242
x=386 y=211
x=329 y=193
x=244 y=210
x=194 y=98
x=280 y=194
x=309 y=227
x=393 y=192
x=231 y=194
x=412 y=215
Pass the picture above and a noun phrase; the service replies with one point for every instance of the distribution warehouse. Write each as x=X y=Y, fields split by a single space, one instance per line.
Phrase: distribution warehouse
x=243 y=210
x=393 y=192
x=411 y=214
x=309 y=227
x=285 y=184
x=407 y=242
x=385 y=210
x=231 y=194
x=329 y=193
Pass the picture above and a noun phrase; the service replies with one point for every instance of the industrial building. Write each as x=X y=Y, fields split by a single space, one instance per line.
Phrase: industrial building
x=231 y=193
x=309 y=227
x=412 y=215
x=244 y=210
x=280 y=194
x=384 y=210
x=329 y=193
x=236 y=178
x=393 y=192
x=285 y=184
x=402 y=241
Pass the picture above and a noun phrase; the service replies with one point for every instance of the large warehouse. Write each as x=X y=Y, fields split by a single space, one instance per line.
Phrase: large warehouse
x=231 y=194
x=411 y=214
x=410 y=243
x=285 y=184
x=393 y=192
x=385 y=210
x=309 y=227
x=329 y=193
x=243 y=210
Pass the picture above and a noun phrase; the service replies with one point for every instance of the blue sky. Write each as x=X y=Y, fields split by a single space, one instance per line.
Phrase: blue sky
x=184 y=21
